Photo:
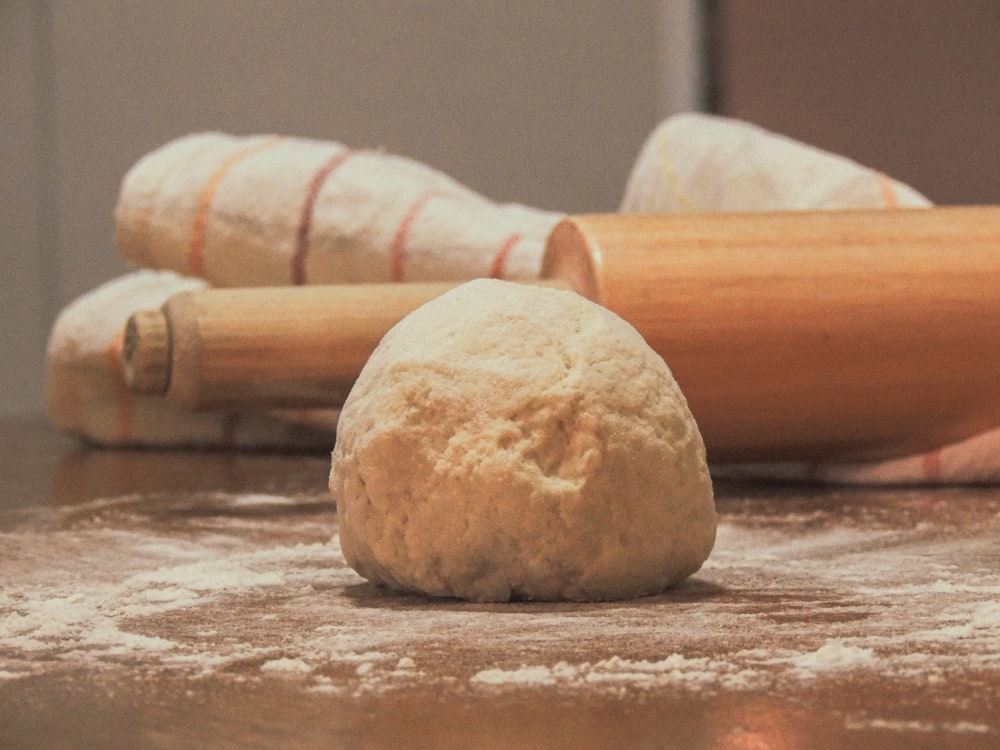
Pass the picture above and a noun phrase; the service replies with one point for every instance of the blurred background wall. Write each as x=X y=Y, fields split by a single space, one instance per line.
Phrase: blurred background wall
x=544 y=103
x=540 y=102
x=911 y=87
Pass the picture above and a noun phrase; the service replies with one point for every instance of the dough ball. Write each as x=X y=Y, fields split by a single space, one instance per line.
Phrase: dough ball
x=507 y=441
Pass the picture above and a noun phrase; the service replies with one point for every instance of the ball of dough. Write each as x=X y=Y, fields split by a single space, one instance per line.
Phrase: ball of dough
x=507 y=441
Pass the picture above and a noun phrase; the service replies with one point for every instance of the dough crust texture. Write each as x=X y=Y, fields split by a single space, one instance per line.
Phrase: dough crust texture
x=507 y=441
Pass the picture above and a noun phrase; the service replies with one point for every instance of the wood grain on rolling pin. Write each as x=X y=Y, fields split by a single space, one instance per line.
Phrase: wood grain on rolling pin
x=829 y=335
x=810 y=335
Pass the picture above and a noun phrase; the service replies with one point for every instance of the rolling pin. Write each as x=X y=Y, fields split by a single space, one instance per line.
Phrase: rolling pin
x=795 y=336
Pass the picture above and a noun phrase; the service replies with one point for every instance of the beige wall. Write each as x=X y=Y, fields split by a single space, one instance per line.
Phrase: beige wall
x=541 y=102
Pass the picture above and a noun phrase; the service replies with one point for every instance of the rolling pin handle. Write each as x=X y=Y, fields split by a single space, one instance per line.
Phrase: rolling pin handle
x=146 y=353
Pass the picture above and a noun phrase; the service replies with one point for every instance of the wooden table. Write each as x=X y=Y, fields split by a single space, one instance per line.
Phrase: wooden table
x=195 y=599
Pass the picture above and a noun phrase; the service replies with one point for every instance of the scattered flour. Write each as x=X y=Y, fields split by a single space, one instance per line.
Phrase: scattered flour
x=286 y=666
x=830 y=657
x=783 y=600
x=675 y=670
x=539 y=675
x=253 y=500
x=904 y=725
x=217 y=575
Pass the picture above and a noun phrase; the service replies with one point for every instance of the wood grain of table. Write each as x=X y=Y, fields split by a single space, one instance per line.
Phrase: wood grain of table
x=168 y=599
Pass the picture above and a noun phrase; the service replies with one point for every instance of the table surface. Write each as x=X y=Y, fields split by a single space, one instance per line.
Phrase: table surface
x=199 y=599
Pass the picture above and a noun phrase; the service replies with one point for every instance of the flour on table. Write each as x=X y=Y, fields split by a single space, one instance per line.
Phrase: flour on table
x=218 y=590
x=286 y=666
x=673 y=671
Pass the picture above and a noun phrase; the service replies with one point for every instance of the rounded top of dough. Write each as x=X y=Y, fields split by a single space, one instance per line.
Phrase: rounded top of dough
x=509 y=441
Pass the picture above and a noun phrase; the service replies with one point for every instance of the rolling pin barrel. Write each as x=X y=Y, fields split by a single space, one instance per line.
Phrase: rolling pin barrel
x=809 y=335
x=813 y=335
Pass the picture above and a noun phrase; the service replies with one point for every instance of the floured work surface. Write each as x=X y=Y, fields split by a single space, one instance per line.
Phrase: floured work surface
x=195 y=599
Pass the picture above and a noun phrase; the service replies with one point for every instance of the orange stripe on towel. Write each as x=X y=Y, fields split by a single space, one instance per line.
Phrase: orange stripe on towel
x=500 y=259
x=298 y=271
x=196 y=250
x=673 y=181
x=931 y=465
x=888 y=189
x=124 y=400
x=397 y=253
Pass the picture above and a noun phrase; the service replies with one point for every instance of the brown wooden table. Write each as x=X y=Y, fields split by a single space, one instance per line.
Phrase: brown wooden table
x=170 y=599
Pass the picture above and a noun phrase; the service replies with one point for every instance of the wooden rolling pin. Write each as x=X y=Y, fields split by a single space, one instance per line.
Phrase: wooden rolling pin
x=815 y=335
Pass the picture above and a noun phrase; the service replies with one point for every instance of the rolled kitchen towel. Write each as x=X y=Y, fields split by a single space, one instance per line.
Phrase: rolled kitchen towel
x=87 y=396
x=695 y=162
x=264 y=210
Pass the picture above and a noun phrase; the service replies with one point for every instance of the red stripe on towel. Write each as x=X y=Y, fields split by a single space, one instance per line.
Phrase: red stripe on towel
x=500 y=259
x=888 y=189
x=930 y=463
x=196 y=249
x=305 y=218
x=397 y=253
